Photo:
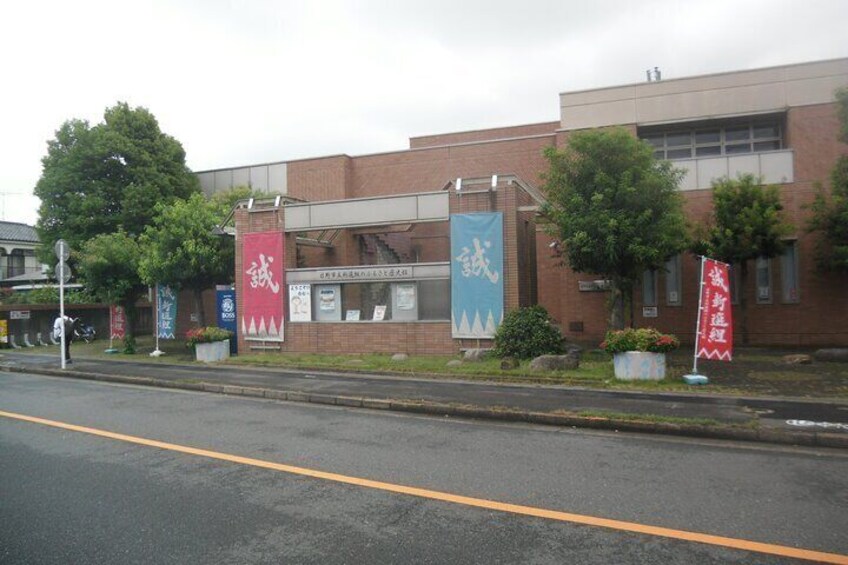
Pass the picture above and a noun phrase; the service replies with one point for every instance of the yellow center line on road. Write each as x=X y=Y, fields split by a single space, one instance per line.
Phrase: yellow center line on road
x=733 y=543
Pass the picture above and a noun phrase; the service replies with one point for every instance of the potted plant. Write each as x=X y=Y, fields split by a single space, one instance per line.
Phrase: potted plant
x=210 y=344
x=639 y=354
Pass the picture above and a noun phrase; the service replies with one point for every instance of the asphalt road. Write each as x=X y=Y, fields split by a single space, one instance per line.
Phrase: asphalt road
x=73 y=497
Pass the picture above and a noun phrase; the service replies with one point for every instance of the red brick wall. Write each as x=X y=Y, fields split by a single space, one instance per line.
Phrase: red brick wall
x=428 y=170
x=421 y=338
x=482 y=135
x=316 y=180
x=811 y=134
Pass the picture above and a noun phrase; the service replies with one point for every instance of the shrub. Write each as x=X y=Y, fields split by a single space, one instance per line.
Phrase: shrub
x=129 y=345
x=642 y=339
x=527 y=333
x=206 y=335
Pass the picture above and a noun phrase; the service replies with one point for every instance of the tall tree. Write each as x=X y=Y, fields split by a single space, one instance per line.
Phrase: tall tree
x=830 y=211
x=109 y=265
x=747 y=223
x=179 y=248
x=98 y=179
x=615 y=210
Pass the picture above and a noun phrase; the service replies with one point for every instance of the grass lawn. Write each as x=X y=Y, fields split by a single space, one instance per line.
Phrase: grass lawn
x=753 y=371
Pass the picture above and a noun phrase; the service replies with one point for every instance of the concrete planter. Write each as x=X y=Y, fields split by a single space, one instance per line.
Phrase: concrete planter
x=639 y=365
x=212 y=352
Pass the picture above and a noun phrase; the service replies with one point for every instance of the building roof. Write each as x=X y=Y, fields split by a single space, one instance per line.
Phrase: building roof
x=14 y=231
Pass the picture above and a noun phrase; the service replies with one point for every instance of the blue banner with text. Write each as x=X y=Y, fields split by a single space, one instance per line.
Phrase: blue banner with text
x=477 y=287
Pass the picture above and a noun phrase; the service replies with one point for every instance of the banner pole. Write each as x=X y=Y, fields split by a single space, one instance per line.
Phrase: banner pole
x=156 y=352
x=698 y=322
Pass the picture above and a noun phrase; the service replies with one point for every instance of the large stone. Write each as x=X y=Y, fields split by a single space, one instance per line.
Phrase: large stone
x=797 y=359
x=400 y=357
x=475 y=354
x=508 y=363
x=573 y=349
x=837 y=354
x=555 y=363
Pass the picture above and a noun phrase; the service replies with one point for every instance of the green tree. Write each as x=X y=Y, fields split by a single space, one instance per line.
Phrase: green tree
x=181 y=249
x=747 y=223
x=109 y=265
x=98 y=179
x=615 y=210
x=830 y=212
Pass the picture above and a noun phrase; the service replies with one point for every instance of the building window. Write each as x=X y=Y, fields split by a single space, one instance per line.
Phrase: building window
x=789 y=273
x=710 y=140
x=649 y=288
x=763 y=280
x=672 y=281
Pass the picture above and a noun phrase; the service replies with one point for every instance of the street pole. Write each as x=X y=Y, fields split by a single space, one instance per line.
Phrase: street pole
x=694 y=378
x=62 y=309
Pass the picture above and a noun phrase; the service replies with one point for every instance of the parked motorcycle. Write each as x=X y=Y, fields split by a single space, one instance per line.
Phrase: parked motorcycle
x=83 y=331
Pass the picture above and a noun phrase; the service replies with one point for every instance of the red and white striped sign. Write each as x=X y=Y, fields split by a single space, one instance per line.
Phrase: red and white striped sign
x=715 y=322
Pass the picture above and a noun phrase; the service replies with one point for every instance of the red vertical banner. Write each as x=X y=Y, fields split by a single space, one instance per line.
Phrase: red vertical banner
x=263 y=270
x=715 y=328
x=117 y=322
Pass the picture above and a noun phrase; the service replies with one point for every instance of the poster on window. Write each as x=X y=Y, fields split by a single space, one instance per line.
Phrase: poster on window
x=327 y=300
x=406 y=297
x=166 y=311
x=477 y=288
x=263 y=270
x=300 y=302
x=117 y=322
x=715 y=328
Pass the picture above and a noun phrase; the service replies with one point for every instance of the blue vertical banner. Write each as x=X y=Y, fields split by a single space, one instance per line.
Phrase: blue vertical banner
x=226 y=300
x=166 y=311
x=477 y=285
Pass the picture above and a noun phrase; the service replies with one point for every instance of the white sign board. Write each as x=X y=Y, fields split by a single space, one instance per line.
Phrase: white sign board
x=406 y=296
x=300 y=303
x=352 y=315
x=379 y=312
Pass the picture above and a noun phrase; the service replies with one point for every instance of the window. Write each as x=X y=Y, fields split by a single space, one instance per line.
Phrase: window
x=434 y=300
x=649 y=288
x=763 y=280
x=789 y=273
x=729 y=138
x=672 y=281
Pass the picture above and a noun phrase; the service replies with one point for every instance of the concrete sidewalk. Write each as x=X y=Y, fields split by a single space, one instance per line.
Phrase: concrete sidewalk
x=776 y=420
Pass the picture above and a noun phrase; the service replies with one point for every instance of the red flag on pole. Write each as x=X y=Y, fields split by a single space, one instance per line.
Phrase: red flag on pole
x=117 y=322
x=715 y=320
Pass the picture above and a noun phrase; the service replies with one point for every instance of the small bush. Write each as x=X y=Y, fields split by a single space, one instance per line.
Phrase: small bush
x=129 y=345
x=526 y=333
x=643 y=339
x=208 y=334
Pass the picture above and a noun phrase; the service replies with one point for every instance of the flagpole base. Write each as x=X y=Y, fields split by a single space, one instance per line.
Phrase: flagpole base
x=695 y=379
x=111 y=350
x=157 y=353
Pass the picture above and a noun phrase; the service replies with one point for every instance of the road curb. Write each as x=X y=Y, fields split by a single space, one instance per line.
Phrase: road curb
x=722 y=432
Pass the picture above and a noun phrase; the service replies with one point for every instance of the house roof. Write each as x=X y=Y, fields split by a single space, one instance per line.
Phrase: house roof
x=13 y=231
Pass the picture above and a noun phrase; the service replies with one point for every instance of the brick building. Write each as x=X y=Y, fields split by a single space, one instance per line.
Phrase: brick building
x=341 y=214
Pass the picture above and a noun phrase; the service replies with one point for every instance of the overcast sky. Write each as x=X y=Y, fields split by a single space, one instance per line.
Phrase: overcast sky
x=241 y=82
